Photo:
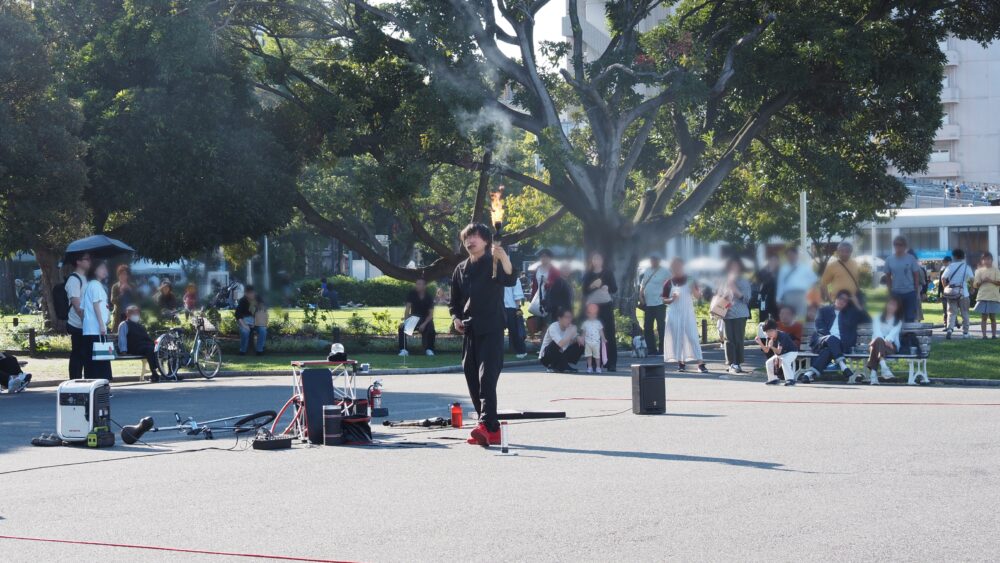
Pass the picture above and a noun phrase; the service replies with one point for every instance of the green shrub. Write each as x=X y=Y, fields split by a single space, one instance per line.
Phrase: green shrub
x=384 y=323
x=377 y=292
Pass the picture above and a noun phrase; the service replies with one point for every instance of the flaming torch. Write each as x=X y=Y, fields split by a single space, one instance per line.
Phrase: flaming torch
x=496 y=216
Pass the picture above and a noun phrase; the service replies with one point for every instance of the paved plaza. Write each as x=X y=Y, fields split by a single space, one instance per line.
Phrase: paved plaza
x=735 y=471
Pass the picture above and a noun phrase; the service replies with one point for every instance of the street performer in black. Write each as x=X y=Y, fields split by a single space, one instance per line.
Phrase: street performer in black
x=477 y=311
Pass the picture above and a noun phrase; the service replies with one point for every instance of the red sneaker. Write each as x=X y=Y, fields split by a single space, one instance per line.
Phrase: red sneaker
x=481 y=436
x=493 y=437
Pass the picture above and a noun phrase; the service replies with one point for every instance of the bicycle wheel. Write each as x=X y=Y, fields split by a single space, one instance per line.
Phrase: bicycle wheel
x=166 y=355
x=254 y=421
x=209 y=358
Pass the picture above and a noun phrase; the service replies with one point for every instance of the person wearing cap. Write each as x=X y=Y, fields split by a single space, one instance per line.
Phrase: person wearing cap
x=651 y=284
x=133 y=339
x=165 y=298
x=902 y=275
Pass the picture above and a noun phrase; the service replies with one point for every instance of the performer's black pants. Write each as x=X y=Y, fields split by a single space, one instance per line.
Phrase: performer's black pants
x=557 y=359
x=482 y=360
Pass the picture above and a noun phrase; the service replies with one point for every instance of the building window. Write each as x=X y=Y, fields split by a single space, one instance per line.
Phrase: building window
x=922 y=240
x=973 y=240
x=864 y=242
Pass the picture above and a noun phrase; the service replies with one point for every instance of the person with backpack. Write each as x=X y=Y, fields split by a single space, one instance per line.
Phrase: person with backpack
x=66 y=298
x=955 y=279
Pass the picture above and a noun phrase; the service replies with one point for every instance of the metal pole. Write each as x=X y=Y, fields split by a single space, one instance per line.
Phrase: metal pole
x=267 y=267
x=874 y=253
x=803 y=231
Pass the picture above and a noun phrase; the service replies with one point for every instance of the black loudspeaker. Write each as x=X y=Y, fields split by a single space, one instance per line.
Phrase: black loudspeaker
x=649 y=389
x=317 y=390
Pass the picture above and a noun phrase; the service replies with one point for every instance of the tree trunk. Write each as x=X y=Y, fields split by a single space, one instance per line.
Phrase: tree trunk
x=621 y=257
x=48 y=262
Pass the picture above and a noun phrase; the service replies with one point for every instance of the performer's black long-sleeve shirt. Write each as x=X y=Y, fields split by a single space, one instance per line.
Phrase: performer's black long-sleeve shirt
x=477 y=297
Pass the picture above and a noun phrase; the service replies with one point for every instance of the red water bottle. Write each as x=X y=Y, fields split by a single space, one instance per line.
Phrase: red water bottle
x=456 y=415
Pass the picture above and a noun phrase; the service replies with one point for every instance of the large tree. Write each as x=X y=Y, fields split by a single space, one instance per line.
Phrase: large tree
x=659 y=120
x=42 y=175
x=177 y=161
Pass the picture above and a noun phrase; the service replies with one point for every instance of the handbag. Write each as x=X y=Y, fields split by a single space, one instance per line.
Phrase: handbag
x=719 y=306
x=535 y=307
x=599 y=296
x=953 y=291
x=862 y=300
x=103 y=351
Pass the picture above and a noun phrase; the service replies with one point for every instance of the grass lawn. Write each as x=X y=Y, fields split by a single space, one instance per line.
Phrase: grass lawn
x=933 y=312
x=972 y=358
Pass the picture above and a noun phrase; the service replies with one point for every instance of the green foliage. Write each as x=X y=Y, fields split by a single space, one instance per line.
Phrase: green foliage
x=384 y=323
x=377 y=292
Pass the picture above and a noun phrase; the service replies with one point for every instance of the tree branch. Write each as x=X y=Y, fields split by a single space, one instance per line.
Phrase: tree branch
x=533 y=230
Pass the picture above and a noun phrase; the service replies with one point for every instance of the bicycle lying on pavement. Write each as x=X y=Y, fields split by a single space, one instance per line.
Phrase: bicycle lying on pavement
x=245 y=423
x=203 y=352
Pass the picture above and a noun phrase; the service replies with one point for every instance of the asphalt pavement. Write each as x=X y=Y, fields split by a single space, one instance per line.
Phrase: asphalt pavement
x=734 y=470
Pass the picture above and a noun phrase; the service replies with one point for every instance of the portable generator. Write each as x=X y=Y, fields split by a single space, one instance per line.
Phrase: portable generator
x=83 y=408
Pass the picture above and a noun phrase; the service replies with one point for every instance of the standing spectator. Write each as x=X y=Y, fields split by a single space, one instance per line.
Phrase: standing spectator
x=680 y=336
x=922 y=285
x=598 y=287
x=328 y=296
x=557 y=294
x=247 y=309
x=783 y=352
x=74 y=285
x=123 y=293
x=562 y=344
x=767 y=281
x=987 y=281
x=513 y=298
x=841 y=274
x=133 y=339
x=651 y=284
x=945 y=262
x=956 y=292
x=594 y=342
x=835 y=335
x=420 y=304
x=165 y=298
x=96 y=316
x=886 y=329
x=735 y=289
x=190 y=298
x=902 y=272
x=794 y=281
x=540 y=281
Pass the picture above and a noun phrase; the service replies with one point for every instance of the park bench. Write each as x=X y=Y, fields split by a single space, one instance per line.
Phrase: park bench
x=858 y=354
x=144 y=372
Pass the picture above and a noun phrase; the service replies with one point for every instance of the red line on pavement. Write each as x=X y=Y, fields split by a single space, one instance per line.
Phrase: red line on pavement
x=173 y=549
x=902 y=403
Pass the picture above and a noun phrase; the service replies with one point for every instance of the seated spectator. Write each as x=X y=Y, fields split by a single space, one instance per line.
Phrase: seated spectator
x=836 y=333
x=329 y=298
x=783 y=351
x=133 y=340
x=562 y=345
x=12 y=379
x=886 y=329
x=250 y=312
x=786 y=324
x=419 y=304
x=441 y=296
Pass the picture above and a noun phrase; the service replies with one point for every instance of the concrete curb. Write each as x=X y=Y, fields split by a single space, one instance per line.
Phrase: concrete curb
x=374 y=372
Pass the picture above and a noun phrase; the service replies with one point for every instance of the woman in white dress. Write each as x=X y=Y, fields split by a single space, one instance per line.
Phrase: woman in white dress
x=680 y=338
x=96 y=314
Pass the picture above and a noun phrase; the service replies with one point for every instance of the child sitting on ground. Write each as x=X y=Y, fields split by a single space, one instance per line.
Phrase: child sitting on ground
x=785 y=351
x=593 y=340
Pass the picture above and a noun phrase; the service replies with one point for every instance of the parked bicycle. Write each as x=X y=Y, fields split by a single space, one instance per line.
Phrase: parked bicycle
x=174 y=351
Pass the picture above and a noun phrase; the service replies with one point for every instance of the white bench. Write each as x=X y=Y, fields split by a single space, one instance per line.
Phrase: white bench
x=857 y=355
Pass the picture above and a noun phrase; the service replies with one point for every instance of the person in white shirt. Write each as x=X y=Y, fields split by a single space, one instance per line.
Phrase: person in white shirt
x=594 y=342
x=886 y=329
x=957 y=275
x=651 y=284
x=513 y=297
x=794 y=281
x=74 y=285
x=562 y=344
x=96 y=315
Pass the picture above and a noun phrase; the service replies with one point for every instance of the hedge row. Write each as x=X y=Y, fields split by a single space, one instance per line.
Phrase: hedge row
x=377 y=292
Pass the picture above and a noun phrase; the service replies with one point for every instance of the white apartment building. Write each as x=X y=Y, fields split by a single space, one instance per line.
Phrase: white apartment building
x=967 y=146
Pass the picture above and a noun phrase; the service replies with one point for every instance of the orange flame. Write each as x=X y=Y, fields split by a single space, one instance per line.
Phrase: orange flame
x=496 y=206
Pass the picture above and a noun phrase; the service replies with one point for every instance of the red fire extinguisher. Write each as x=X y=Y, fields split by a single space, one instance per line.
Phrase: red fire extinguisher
x=375 y=399
x=456 y=415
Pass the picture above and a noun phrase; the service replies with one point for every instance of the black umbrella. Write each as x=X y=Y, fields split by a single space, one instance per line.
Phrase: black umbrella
x=98 y=246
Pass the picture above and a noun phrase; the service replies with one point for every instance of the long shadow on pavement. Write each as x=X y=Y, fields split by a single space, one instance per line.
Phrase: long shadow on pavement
x=660 y=457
